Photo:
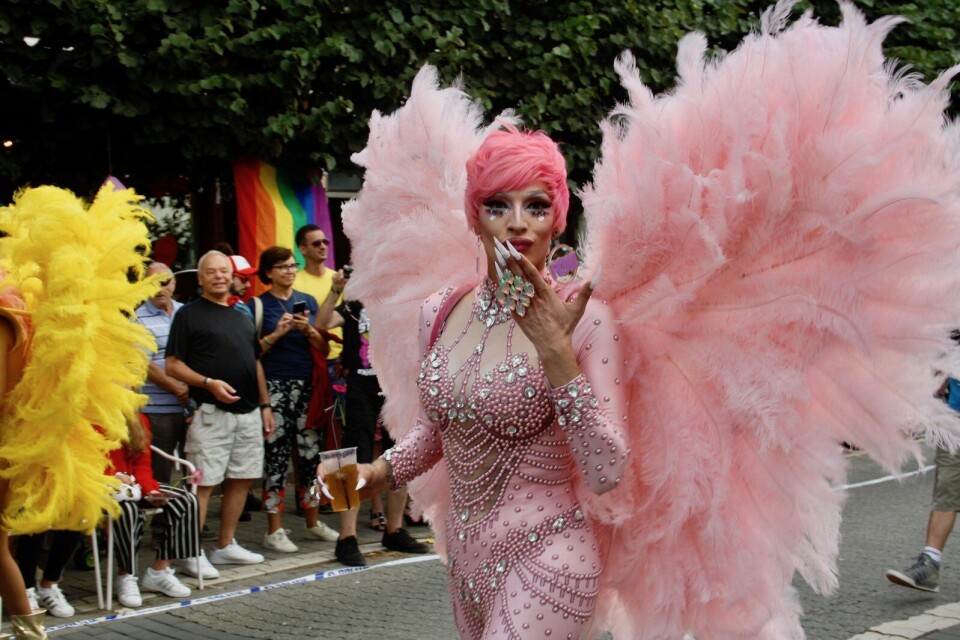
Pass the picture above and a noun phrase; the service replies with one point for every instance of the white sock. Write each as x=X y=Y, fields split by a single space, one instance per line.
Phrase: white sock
x=154 y=573
x=936 y=554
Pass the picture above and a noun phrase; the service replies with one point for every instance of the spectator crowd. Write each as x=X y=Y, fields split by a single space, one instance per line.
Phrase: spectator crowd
x=245 y=389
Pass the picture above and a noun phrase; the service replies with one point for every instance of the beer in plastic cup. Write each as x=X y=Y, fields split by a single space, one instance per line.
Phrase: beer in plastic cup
x=339 y=471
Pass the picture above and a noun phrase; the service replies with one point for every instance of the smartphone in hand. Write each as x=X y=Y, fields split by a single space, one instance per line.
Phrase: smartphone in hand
x=299 y=307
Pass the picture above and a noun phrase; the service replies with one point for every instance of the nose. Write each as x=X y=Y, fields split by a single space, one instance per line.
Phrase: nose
x=517 y=220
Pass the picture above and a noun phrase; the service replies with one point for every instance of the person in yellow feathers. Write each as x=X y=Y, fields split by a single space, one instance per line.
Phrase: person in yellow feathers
x=13 y=346
x=71 y=277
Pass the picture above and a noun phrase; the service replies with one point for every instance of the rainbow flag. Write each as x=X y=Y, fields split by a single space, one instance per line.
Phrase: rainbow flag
x=272 y=205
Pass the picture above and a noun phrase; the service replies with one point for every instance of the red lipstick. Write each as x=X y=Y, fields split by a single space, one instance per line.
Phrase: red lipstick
x=521 y=244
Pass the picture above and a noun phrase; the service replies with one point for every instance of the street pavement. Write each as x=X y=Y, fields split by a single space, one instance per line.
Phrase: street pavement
x=406 y=596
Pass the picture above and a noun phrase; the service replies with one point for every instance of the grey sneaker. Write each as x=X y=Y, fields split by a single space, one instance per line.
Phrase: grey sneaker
x=923 y=575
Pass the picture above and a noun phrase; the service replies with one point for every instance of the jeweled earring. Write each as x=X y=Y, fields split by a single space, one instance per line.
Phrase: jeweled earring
x=479 y=251
x=563 y=263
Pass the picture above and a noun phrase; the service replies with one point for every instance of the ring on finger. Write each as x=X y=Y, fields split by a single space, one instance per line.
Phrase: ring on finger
x=514 y=292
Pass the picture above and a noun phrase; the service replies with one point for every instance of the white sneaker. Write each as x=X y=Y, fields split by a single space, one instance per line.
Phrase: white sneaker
x=278 y=541
x=32 y=599
x=322 y=532
x=165 y=582
x=128 y=594
x=234 y=554
x=191 y=568
x=54 y=602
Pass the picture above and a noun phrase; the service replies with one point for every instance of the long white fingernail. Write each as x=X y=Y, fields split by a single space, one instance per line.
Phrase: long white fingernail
x=361 y=483
x=501 y=252
x=499 y=270
x=596 y=276
x=323 y=488
x=513 y=252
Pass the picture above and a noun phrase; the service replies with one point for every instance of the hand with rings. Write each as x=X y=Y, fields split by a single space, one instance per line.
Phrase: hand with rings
x=539 y=312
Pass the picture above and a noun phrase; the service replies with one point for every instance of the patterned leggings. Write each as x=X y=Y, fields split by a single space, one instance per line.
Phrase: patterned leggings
x=290 y=399
x=174 y=529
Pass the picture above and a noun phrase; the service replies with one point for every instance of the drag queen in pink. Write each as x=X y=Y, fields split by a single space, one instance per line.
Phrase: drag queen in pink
x=520 y=394
x=779 y=237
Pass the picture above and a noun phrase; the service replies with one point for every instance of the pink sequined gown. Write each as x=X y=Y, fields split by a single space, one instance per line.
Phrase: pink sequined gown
x=523 y=559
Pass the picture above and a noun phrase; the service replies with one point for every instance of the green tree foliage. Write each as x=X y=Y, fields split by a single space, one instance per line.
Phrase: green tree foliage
x=171 y=87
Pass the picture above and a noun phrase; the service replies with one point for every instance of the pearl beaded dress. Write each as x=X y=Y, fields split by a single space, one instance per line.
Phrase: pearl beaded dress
x=523 y=558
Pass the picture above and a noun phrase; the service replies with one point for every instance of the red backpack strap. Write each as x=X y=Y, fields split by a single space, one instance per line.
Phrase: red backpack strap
x=445 y=308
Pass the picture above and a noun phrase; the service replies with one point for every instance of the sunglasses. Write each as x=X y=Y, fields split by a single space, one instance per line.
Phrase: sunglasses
x=317 y=243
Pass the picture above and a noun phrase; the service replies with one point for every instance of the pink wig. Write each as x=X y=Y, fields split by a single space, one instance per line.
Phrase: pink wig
x=510 y=159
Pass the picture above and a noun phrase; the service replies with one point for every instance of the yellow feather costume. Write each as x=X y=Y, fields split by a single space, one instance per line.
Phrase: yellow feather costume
x=87 y=355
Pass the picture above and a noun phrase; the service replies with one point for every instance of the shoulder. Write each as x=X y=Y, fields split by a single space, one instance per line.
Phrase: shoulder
x=598 y=319
x=310 y=300
x=439 y=300
x=192 y=308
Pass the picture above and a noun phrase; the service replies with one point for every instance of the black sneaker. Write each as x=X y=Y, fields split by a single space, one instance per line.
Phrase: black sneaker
x=923 y=575
x=403 y=542
x=348 y=552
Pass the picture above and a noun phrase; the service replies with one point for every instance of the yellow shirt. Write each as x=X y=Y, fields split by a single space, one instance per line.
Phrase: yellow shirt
x=319 y=287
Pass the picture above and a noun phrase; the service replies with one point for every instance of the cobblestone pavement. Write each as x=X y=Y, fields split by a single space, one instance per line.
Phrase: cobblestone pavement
x=405 y=603
x=883 y=527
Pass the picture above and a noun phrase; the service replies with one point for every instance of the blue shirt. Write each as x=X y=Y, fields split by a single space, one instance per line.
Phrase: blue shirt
x=954 y=398
x=158 y=323
x=289 y=358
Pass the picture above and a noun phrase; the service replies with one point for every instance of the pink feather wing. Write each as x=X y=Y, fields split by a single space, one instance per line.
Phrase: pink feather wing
x=409 y=239
x=780 y=238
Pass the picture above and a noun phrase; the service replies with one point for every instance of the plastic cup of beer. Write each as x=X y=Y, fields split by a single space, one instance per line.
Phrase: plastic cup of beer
x=339 y=471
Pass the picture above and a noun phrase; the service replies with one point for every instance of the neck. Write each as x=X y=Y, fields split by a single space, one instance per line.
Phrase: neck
x=315 y=268
x=280 y=291
x=165 y=305
x=220 y=299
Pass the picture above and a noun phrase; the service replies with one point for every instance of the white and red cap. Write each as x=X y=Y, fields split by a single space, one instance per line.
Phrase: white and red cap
x=241 y=267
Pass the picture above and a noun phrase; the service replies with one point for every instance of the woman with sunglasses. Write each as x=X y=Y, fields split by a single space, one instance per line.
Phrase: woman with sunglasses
x=286 y=319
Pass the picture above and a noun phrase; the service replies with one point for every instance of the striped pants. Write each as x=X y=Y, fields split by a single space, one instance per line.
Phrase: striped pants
x=174 y=529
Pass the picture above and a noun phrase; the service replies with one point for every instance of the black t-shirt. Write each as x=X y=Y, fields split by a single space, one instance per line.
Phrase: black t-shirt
x=218 y=342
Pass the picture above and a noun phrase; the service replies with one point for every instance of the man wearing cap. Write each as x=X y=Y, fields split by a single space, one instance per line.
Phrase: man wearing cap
x=241 y=282
x=214 y=350
x=168 y=398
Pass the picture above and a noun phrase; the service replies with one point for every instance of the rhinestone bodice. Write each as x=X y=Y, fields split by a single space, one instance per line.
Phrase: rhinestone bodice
x=491 y=430
x=513 y=382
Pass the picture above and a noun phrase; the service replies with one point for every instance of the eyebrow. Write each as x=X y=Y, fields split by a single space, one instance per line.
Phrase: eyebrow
x=528 y=194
